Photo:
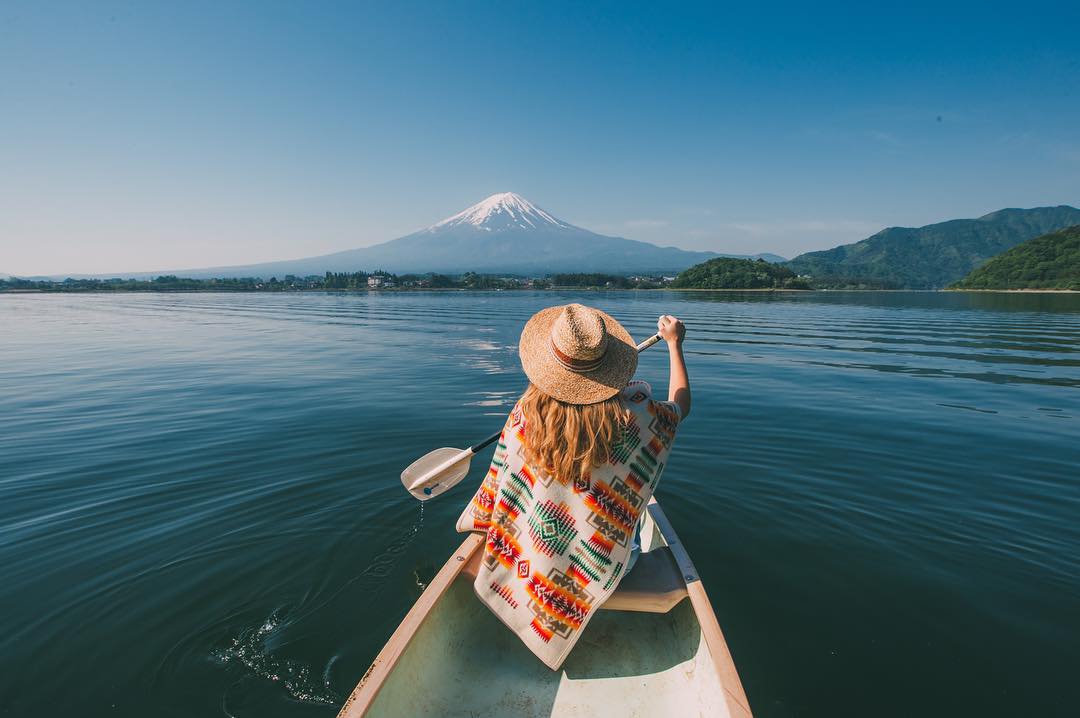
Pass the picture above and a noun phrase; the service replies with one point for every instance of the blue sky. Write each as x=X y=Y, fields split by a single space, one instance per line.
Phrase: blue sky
x=144 y=136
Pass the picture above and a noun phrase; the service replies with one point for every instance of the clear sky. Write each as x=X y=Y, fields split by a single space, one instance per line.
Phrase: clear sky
x=145 y=136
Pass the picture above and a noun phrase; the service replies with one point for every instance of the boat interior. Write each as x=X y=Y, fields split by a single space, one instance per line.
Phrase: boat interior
x=646 y=654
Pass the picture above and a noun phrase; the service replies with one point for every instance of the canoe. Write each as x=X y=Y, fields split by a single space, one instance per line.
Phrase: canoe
x=654 y=649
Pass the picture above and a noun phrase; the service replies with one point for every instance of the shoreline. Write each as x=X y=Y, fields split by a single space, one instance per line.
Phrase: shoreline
x=1016 y=291
x=405 y=290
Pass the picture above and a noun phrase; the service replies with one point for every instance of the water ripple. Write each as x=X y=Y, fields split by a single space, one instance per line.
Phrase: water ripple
x=200 y=505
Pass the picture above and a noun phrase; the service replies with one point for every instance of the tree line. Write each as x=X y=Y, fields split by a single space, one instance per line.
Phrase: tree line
x=329 y=281
x=720 y=273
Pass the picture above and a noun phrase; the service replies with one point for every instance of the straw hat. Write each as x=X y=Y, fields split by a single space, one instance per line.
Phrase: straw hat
x=577 y=354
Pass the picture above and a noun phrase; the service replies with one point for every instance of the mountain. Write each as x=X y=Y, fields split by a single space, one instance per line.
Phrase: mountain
x=505 y=233
x=933 y=256
x=1051 y=261
x=764 y=256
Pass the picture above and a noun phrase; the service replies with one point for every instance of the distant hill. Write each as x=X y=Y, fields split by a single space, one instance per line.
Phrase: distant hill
x=728 y=273
x=1051 y=261
x=505 y=234
x=929 y=257
x=767 y=256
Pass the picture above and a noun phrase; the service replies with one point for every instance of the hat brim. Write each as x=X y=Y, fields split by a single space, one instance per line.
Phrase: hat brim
x=552 y=378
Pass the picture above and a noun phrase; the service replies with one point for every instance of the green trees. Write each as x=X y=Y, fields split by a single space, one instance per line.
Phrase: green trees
x=597 y=280
x=728 y=273
x=345 y=280
x=714 y=274
x=593 y=279
x=1051 y=261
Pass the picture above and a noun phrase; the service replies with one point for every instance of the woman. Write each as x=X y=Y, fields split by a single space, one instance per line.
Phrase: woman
x=577 y=461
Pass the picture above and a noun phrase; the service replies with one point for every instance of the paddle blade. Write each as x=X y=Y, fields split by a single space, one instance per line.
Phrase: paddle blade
x=436 y=472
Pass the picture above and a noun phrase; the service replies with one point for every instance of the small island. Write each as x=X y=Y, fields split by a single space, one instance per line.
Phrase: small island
x=730 y=273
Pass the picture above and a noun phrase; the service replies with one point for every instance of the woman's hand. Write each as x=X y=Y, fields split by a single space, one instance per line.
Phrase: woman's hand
x=671 y=330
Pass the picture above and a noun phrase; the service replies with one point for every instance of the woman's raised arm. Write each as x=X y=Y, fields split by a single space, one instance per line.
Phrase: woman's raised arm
x=673 y=332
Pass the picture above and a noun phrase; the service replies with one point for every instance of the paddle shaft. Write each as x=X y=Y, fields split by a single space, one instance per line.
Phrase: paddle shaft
x=477 y=448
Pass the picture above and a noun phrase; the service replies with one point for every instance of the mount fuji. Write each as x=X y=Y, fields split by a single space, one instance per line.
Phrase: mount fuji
x=504 y=233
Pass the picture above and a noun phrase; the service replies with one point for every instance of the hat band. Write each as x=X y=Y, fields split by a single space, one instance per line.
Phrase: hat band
x=575 y=365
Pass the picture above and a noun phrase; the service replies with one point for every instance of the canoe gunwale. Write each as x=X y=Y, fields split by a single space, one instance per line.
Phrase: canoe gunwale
x=368 y=688
x=738 y=705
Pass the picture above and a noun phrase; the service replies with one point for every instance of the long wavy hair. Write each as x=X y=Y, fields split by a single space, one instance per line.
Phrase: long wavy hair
x=567 y=441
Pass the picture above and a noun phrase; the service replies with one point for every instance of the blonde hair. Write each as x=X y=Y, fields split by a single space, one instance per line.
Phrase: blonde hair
x=566 y=441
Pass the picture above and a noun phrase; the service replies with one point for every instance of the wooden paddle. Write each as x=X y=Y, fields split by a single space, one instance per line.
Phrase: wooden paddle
x=442 y=469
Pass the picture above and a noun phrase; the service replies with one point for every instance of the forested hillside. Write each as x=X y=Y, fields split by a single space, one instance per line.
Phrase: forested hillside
x=1051 y=261
x=929 y=257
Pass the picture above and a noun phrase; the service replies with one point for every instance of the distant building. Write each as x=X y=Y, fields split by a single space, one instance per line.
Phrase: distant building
x=380 y=281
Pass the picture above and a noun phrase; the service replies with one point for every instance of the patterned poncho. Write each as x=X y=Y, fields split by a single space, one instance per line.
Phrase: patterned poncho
x=555 y=551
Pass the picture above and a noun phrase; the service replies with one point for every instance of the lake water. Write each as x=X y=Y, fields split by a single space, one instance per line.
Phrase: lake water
x=200 y=510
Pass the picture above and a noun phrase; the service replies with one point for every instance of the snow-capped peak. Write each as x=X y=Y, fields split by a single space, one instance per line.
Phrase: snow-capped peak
x=505 y=210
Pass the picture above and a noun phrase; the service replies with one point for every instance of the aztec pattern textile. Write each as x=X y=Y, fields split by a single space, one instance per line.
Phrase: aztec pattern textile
x=555 y=551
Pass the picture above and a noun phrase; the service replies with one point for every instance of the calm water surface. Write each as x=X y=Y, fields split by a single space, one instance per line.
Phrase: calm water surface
x=200 y=511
